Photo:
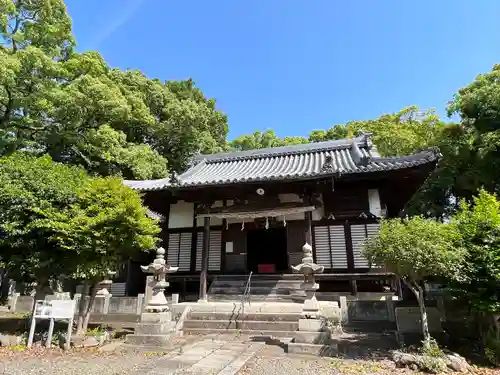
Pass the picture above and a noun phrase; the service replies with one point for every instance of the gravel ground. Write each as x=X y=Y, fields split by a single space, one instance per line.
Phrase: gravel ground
x=41 y=361
x=298 y=365
x=307 y=365
x=78 y=365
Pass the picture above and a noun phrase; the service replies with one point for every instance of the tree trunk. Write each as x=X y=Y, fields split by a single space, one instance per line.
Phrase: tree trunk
x=4 y=285
x=90 y=307
x=81 y=309
x=419 y=293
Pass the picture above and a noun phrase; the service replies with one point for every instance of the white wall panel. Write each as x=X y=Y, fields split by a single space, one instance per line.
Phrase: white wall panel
x=374 y=202
x=359 y=233
x=181 y=215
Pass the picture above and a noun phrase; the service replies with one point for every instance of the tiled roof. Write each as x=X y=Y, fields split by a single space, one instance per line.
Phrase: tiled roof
x=314 y=160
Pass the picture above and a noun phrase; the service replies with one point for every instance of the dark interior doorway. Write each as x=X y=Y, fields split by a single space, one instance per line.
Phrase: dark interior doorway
x=267 y=247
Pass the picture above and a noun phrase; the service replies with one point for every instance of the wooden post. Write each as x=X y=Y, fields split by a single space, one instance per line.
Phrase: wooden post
x=129 y=277
x=348 y=246
x=354 y=287
x=32 y=329
x=48 y=343
x=308 y=218
x=204 y=259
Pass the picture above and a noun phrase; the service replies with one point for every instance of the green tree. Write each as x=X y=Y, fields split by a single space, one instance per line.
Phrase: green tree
x=56 y=220
x=105 y=226
x=402 y=133
x=73 y=106
x=266 y=139
x=479 y=108
x=32 y=192
x=414 y=250
x=42 y=24
x=479 y=226
x=335 y=132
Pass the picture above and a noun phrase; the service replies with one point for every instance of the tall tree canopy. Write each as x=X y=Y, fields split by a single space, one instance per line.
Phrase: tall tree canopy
x=479 y=227
x=401 y=133
x=81 y=111
x=415 y=250
x=478 y=105
x=266 y=139
x=56 y=220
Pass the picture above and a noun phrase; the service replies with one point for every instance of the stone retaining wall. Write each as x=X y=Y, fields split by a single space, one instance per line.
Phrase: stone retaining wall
x=104 y=305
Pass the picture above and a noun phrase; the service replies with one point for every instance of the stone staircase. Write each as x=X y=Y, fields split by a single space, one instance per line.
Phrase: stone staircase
x=273 y=288
x=253 y=323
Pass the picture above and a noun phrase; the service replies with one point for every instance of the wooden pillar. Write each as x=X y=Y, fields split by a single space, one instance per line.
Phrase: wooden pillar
x=354 y=287
x=204 y=259
x=223 y=242
x=348 y=246
x=308 y=218
x=128 y=279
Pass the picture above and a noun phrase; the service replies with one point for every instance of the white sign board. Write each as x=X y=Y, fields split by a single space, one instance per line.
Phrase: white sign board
x=53 y=310
x=229 y=247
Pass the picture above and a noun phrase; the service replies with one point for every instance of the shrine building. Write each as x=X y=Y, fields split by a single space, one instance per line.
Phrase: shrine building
x=230 y=214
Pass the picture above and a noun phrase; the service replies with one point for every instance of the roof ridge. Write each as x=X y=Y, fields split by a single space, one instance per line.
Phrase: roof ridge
x=432 y=152
x=362 y=140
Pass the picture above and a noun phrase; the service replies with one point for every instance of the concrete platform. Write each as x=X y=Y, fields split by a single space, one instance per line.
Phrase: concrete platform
x=241 y=325
x=267 y=317
x=157 y=341
x=237 y=332
x=253 y=307
x=329 y=350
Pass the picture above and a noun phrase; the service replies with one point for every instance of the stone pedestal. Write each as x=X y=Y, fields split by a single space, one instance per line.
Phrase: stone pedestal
x=312 y=331
x=155 y=329
x=311 y=305
x=105 y=285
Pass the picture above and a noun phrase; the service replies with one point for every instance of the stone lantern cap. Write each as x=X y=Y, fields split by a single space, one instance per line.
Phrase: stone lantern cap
x=159 y=268
x=309 y=269
x=308 y=266
x=159 y=265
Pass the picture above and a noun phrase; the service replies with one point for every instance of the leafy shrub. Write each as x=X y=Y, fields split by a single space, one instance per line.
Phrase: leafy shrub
x=95 y=331
x=492 y=349
x=433 y=365
x=430 y=348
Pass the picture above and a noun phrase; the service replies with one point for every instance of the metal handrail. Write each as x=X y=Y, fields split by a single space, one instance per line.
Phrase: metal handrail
x=246 y=293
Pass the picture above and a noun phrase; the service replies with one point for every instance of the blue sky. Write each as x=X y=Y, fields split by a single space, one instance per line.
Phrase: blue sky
x=299 y=65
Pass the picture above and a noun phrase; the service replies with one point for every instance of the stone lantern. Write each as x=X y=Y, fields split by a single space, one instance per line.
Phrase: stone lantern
x=312 y=327
x=309 y=269
x=105 y=284
x=156 y=327
x=159 y=268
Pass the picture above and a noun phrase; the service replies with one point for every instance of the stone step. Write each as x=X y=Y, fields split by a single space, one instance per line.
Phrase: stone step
x=209 y=331
x=162 y=341
x=256 y=276
x=257 y=282
x=154 y=328
x=253 y=290
x=254 y=307
x=279 y=285
x=253 y=325
x=238 y=316
x=369 y=326
x=254 y=298
x=173 y=343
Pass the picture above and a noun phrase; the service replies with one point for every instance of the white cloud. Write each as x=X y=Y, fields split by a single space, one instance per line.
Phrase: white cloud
x=116 y=21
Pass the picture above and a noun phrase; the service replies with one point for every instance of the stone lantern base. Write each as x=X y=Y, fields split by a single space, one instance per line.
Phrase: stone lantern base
x=155 y=329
